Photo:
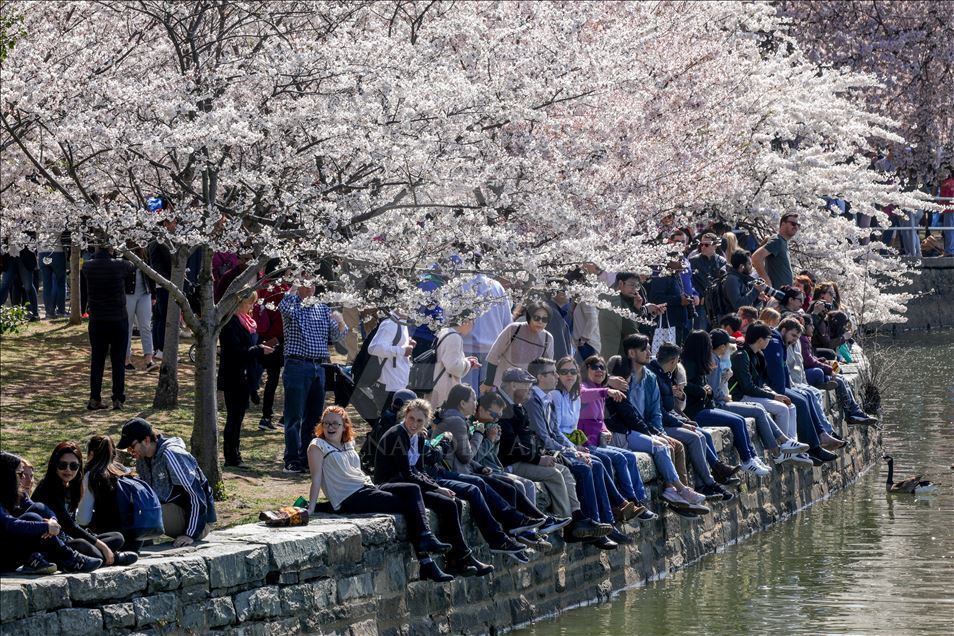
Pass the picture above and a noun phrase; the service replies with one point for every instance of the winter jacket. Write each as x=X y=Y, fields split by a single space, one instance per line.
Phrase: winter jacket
x=696 y=397
x=667 y=401
x=748 y=375
x=106 y=284
x=776 y=364
x=740 y=290
x=518 y=442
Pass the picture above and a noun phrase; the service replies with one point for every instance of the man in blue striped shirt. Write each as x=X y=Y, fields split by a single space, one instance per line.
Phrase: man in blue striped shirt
x=307 y=328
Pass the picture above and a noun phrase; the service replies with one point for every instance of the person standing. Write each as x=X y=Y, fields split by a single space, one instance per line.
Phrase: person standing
x=270 y=332
x=238 y=375
x=393 y=345
x=487 y=326
x=160 y=259
x=53 y=269
x=108 y=326
x=23 y=266
x=140 y=291
x=452 y=365
x=707 y=267
x=307 y=328
x=947 y=200
x=771 y=260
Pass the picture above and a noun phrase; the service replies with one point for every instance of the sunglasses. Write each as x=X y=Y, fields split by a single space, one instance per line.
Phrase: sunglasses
x=540 y=318
x=598 y=367
x=569 y=371
x=74 y=466
x=494 y=414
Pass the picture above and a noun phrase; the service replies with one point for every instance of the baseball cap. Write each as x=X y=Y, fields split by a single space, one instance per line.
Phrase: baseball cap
x=133 y=431
x=516 y=374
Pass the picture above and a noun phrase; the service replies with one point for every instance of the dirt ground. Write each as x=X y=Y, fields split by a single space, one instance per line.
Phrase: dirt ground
x=44 y=387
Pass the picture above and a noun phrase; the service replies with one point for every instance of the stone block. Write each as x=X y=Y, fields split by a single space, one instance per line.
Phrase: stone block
x=48 y=593
x=193 y=593
x=355 y=587
x=231 y=565
x=37 y=625
x=256 y=604
x=109 y=584
x=377 y=529
x=171 y=574
x=214 y=612
x=307 y=597
x=364 y=628
x=13 y=602
x=344 y=546
x=118 y=615
x=79 y=620
x=156 y=610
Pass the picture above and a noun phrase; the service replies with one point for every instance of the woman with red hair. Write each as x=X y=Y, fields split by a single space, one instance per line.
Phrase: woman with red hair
x=336 y=469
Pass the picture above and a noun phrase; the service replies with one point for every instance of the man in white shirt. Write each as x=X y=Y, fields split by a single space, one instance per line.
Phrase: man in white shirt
x=487 y=326
x=393 y=345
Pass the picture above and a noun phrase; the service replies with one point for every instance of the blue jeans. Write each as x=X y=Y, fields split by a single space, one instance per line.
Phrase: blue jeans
x=815 y=403
x=740 y=433
x=54 y=282
x=15 y=266
x=489 y=528
x=622 y=465
x=805 y=422
x=304 y=384
x=590 y=489
x=640 y=443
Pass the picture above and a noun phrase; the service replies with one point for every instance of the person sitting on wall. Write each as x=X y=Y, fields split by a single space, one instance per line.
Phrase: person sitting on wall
x=399 y=459
x=336 y=470
x=164 y=463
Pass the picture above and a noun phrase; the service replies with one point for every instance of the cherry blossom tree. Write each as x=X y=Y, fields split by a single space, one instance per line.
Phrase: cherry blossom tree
x=377 y=140
x=907 y=47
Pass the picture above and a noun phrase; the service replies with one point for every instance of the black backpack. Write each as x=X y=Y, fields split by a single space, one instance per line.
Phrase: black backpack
x=366 y=369
x=422 y=380
x=716 y=302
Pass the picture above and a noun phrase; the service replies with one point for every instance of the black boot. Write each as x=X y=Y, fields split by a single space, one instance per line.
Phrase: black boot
x=467 y=565
x=125 y=558
x=429 y=544
x=431 y=572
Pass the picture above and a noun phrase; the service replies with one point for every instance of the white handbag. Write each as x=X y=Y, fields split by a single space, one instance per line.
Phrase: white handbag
x=663 y=334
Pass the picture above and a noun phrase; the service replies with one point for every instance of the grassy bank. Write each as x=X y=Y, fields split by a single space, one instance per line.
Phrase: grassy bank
x=44 y=386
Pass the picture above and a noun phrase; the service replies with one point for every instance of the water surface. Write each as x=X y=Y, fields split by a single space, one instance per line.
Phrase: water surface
x=861 y=562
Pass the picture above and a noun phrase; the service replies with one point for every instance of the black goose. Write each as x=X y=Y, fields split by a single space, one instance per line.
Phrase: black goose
x=910 y=486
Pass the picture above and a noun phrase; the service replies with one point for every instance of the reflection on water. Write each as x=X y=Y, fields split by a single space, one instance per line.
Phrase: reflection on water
x=862 y=562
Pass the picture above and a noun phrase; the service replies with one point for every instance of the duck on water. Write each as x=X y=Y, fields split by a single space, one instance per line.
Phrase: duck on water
x=911 y=486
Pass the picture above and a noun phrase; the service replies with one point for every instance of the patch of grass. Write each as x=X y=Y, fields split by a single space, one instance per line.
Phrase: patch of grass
x=44 y=387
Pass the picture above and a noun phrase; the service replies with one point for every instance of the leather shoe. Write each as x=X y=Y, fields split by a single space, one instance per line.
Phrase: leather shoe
x=603 y=543
x=467 y=565
x=430 y=571
x=588 y=529
x=620 y=538
x=429 y=544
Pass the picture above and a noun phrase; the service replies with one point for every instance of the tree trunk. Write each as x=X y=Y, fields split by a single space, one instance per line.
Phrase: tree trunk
x=167 y=391
x=205 y=430
x=76 y=305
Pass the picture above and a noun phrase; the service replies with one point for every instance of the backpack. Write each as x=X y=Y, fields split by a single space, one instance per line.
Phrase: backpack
x=716 y=302
x=140 y=513
x=422 y=380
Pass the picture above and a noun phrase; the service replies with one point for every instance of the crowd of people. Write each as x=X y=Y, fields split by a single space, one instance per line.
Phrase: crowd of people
x=533 y=414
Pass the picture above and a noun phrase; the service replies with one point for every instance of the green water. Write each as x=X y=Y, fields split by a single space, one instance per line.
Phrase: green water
x=859 y=563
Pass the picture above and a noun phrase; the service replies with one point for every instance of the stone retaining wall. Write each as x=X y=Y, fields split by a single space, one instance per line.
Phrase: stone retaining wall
x=357 y=576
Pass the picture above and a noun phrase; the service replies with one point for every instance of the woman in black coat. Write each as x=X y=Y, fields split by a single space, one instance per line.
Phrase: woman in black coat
x=60 y=490
x=238 y=358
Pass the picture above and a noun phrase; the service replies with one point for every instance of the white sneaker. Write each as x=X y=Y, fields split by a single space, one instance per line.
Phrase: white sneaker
x=763 y=464
x=691 y=496
x=755 y=467
x=792 y=447
x=157 y=355
x=781 y=458
x=803 y=459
